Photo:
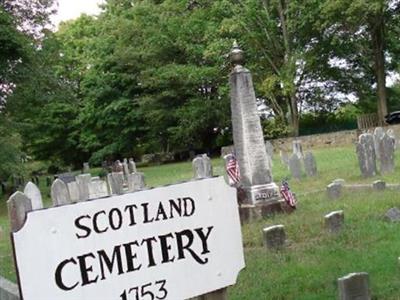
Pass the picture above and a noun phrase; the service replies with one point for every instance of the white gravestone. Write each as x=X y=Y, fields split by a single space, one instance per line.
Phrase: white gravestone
x=167 y=243
x=97 y=189
x=202 y=167
x=33 y=193
x=136 y=182
x=298 y=149
x=73 y=191
x=366 y=155
x=83 y=182
x=132 y=166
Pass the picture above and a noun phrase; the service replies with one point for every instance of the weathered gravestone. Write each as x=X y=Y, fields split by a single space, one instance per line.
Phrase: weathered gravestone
x=86 y=167
x=132 y=166
x=379 y=132
x=202 y=167
x=73 y=191
x=366 y=155
x=310 y=165
x=66 y=177
x=379 y=185
x=116 y=183
x=393 y=215
x=386 y=148
x=59 y=193
x=354 y=286
x=270 y=152
x=334 y=190
x=97 y=188
x=255 y=171
x=33 y=193
x=334 y=221
x=298 y=149
x=274 y=237
x=284 y=158
x=132 y=246
x=125 y=168
x=83 y=182
x=295 y=166
x=117 y=167
x=136 y=182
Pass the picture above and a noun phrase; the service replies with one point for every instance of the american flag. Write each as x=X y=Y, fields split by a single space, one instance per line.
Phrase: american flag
x=232 y=169
x=288 y=195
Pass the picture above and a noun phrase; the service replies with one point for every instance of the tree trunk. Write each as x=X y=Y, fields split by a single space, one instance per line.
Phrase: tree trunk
x=378 y=41
x=294 y=115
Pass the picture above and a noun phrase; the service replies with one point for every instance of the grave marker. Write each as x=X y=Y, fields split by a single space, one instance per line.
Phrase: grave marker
x=274 y=237
x=310 y=165
x=386 y=154
x=202 y=167
x=33 y=193
x=256 y=176
x=83 y=182
x=132 y=166
x=295 y=166
x=334 y=190
x=136 y=182
x=354 y=286
x=116 y=183
x=298 y=149
x=334 y=221
x=59 y=193
x=366 y=155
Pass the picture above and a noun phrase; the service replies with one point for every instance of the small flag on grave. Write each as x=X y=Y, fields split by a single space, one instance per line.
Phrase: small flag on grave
x=232 y=169
x=287 y=194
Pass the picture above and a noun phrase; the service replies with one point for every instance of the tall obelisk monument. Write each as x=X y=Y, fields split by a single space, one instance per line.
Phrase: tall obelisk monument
x=248 y=139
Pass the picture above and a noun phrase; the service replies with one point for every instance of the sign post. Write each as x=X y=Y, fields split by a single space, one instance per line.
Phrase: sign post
x=174 y=242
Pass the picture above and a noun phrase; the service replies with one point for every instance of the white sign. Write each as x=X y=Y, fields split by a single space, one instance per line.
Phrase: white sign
x=173 y=242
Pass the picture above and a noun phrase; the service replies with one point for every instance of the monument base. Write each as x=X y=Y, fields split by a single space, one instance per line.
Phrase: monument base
x=262 y=194
x=249 y=213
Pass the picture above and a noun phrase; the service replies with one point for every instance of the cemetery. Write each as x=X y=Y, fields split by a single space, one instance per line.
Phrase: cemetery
x=191 y=162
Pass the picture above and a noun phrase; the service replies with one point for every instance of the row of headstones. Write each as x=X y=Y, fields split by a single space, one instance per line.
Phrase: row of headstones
x=334 y=189
x=351 y=286
x=375 y=150
x=16 y=183
x=297 y=160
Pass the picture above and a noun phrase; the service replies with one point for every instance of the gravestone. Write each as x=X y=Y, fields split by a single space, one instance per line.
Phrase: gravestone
x=132 y=166
x=386 y=153
x=298 y=149
x=60 y=193
x=334 y=221
x=202 y=167
x=274 y=237
x=125 y=168
x=284 y=158
x=86 y=167
x=97 y=188
x=83 y=182
x=379 y=185
x=73 y=191
x=270 y=152
x=255 y=171
x=354 y=286
x=390 y=132
x=310 y=165
x=116 y=183
x=393 y=215
x=339 y=181
x=117 y=167
x=366 y=155
x=379 y=132
x=136 y=182
x=295 y=166
x=66 y=177
x=334 y=190
x=33 y=193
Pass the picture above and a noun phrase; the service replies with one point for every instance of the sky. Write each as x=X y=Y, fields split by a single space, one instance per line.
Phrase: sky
x=71 y=9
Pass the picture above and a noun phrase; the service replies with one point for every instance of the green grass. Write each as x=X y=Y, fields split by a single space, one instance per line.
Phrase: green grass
x=309 y=267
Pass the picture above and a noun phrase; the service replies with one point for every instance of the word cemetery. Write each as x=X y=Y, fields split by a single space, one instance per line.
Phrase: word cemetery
x=163 y=243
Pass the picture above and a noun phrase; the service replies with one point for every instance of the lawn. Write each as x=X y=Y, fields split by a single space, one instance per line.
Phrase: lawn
x=309 y=266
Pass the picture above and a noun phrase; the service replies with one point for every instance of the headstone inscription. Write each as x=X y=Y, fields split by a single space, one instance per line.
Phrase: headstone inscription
x=354 y=286
x=366 y=155
x=255 y=171
x=149 y=241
